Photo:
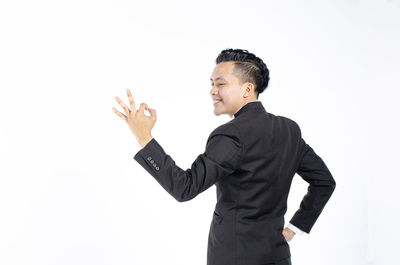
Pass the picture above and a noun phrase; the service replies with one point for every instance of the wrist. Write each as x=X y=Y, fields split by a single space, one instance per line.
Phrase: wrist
x=143 y=142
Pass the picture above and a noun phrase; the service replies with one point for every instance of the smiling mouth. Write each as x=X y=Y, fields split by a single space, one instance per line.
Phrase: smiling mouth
x=217 y=101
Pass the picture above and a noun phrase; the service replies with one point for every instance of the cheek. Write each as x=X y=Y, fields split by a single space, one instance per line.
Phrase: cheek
x=224 y=93
x=228 y=94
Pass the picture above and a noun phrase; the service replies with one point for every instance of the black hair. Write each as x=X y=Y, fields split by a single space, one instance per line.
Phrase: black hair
x=248 y=67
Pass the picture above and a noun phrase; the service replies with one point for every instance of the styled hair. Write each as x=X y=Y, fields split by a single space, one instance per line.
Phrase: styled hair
x=248 y=67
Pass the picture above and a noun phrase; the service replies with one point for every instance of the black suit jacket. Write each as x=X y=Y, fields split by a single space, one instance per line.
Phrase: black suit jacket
x=252 y=160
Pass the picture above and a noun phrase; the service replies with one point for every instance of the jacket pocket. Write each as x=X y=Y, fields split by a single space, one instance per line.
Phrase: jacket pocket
x=281 y=240
x=217 y=217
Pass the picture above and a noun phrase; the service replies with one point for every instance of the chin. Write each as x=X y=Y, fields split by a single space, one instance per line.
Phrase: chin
x=218 y=110
x=217 y=113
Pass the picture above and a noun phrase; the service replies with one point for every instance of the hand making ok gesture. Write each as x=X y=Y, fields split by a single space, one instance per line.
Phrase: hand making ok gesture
x=139 y=123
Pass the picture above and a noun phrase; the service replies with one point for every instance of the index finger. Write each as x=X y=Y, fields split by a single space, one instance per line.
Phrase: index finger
x=131 y=100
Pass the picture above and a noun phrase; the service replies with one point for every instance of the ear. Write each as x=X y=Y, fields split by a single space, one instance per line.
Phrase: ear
x=248 y=89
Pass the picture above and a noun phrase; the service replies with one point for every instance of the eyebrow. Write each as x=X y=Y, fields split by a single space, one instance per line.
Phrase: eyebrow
x=219 y=77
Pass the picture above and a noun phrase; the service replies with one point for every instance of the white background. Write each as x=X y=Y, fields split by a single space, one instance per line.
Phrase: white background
x=70 y=191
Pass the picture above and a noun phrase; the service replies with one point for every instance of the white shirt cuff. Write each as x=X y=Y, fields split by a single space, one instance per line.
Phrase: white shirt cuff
x=295 y=229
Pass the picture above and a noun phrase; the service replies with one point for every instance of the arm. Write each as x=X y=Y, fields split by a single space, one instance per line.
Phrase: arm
x=313 y=170
x=221 y=158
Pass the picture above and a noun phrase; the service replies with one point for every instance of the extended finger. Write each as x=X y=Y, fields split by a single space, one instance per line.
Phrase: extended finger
x=131 y=100
x=125 y=107
x=119 y=114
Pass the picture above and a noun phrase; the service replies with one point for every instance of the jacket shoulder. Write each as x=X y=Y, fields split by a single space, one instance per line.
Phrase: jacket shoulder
x=228 y=129
x=224 y=146
x=292 y=123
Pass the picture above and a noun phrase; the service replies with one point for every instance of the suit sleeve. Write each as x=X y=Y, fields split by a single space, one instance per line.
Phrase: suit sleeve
x=220 y=159
x=313 y=170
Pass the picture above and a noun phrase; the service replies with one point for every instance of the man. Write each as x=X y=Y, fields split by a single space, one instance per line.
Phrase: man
x=251 y=159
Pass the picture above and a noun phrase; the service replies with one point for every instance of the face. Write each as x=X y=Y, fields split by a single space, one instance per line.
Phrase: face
x=226 y=91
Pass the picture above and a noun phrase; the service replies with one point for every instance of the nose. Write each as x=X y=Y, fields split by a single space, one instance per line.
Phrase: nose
x=213 y=90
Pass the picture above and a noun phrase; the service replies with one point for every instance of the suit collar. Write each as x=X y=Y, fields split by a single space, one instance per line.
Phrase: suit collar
x=249 y=106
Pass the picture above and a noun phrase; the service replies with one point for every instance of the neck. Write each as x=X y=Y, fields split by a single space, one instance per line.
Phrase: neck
x=252 y=100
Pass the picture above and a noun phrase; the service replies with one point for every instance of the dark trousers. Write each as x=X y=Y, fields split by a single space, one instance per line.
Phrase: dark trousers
x=282 y=262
